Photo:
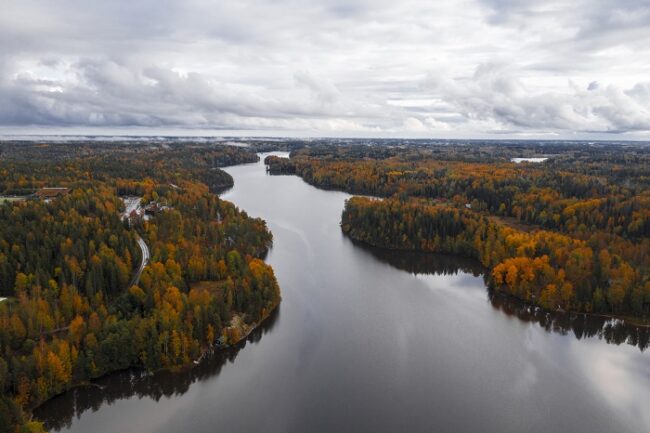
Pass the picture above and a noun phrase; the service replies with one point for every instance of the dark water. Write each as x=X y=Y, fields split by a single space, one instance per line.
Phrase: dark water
x=368 y=340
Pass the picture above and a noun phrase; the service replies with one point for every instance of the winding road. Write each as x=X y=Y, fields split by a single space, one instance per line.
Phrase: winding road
x=133 y=204
x=145 y=260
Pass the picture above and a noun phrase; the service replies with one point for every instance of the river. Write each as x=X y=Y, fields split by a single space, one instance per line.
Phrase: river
x=373 y=341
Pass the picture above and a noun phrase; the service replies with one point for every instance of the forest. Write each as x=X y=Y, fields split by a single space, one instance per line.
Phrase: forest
x=568 y=234
x=72 y=311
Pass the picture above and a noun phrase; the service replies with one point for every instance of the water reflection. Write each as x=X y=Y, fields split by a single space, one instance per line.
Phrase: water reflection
x=581 y=326
x=60 y=412
x=363 y=344
x=424 y=263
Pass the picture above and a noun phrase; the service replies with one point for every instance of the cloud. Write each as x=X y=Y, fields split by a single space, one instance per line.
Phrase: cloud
x=469 y=67
x=324 y=90
x=496 y=93
x=411 y=124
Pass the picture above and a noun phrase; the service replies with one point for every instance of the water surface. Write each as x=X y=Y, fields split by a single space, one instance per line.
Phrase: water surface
x=368 y=340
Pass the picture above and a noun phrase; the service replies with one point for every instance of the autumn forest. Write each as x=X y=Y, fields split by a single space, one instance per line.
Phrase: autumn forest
x=75 y=305
x=121 y=256
x=569 y=234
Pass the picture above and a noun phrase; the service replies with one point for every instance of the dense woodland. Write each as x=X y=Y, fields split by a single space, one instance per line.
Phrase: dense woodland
x=572 y=233
x=66 y=267
x=26 y=167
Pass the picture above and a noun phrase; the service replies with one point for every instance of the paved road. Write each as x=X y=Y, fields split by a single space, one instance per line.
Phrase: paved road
x=131 y=204
x=145 y=260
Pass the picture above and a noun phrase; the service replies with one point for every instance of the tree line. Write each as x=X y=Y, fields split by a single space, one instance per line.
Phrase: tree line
x=546 y=268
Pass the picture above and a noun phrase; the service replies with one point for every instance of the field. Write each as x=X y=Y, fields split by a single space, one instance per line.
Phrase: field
x=4 y=199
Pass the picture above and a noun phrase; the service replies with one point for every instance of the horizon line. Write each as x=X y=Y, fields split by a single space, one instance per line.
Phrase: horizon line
x=36 y=136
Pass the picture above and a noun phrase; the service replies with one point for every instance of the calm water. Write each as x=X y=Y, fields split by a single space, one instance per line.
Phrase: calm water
x=367 y=340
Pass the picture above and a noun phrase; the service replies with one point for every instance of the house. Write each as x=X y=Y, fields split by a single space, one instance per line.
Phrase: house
x=47 y=194
x=154 y=208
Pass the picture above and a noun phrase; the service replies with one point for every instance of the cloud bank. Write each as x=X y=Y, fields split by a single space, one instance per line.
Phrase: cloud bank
x=358 y=67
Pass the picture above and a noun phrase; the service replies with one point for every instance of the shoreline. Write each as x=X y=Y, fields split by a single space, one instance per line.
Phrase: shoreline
x=628 y=320
x=176 y=369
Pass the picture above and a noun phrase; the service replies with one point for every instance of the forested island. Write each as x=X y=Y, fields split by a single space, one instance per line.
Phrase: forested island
x=571 y=233
x=76 y=303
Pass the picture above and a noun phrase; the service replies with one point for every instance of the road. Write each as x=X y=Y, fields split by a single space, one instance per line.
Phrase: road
x=145 y=260
x=133 y=204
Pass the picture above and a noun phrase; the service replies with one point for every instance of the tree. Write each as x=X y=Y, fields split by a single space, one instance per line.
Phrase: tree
x=77 y=329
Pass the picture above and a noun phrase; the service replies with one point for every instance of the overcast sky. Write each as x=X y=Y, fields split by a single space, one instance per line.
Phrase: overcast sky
x=463 y=68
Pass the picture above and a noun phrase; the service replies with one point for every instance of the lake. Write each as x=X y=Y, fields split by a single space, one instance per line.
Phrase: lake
x=520 y=160
x=370 y=340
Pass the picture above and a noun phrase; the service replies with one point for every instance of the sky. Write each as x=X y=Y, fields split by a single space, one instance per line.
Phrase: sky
x=440 y=69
